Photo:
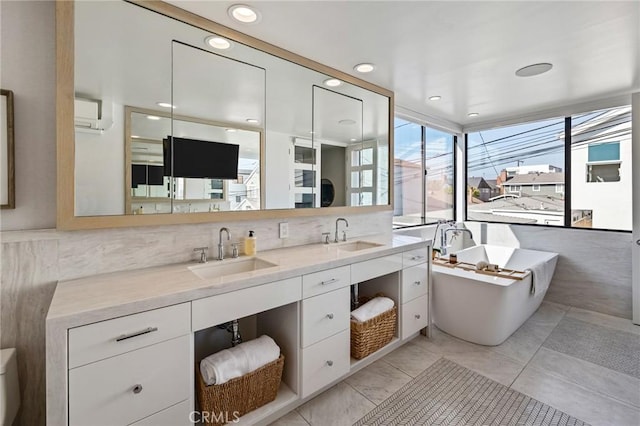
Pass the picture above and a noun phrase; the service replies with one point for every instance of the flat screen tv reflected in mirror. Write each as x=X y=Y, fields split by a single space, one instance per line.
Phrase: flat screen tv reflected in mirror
x=193 y=158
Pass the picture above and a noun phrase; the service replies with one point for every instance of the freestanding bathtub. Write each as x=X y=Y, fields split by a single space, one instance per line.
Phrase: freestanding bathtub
x=486 y=309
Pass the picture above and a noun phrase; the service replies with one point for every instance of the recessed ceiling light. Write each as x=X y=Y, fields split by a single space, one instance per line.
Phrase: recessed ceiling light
x=435 y=98
x=535 y=69
x=217 y=42
x=332 y=82
x=347 y=122
x=473 y=114
x=230 y=130
x=364 y=68
x=353 y=139
x=153 y=117
x=243 y=13
x=165 y=105
x=252 y=121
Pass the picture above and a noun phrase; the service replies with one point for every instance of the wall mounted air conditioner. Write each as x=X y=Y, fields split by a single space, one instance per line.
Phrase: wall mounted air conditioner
x=87 y=114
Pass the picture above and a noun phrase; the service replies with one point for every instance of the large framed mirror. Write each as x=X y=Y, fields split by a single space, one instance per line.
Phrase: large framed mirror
x=157 y=124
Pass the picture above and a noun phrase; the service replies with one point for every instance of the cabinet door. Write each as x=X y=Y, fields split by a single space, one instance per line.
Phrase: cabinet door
x=325 y=315
x=132 y=386
x=415 y=282
x=325 y=362
x=105 y=339
x=414 y=316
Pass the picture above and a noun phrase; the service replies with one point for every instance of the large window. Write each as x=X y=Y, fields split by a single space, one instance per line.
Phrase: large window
x=525 y=165
x=423 y=174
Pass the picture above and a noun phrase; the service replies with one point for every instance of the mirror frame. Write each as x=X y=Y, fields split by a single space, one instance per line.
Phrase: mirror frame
x=65 y=129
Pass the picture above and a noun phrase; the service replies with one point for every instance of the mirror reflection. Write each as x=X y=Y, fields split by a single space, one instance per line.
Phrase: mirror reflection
x=302 y=143
x=163 y=180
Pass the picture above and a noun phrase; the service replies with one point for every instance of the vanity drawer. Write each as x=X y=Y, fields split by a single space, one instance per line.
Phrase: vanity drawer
x=373 y=268
x=129 y=387
x=415 y=282
x=325 y=362
x=177 y=415
x=225 y=307
x=414 y=257
x=325 y=315
x=105 y=339
x=324 y=281
x=414 y=316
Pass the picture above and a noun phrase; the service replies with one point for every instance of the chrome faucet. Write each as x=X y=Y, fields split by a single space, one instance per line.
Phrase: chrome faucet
x=220 y=244
x=203 y=253
x=344 y=233
x=443 y=237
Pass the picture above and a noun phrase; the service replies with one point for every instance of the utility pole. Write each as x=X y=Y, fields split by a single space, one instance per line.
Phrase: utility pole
x=520 y=161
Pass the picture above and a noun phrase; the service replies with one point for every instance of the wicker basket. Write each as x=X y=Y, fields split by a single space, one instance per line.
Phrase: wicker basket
x=225 y=402
x=371 y=335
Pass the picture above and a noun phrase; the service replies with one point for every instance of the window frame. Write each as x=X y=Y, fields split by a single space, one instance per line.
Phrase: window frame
x=423 y=161
x=567 y=168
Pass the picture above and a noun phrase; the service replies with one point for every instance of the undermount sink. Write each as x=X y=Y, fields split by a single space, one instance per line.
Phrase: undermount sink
x=217 y=269
x=357 y=246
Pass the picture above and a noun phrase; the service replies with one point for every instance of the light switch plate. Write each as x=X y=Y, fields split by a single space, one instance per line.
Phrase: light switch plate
x=284 y=229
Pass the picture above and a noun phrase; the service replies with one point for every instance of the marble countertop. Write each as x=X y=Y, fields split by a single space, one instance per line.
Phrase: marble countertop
x=95 y=298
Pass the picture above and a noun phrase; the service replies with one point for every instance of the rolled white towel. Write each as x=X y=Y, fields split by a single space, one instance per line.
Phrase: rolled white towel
x=239 y=360
x=372 y=308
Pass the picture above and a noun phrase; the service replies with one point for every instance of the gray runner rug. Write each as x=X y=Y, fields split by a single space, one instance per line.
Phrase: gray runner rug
x=614 y=349
x=449 y=394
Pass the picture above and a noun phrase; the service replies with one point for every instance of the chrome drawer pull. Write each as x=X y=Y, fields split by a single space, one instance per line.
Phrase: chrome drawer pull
x=330 y=316
x=417 y=282
x=331 y=281
x=417 y=257
x=417 y=316
x=330 y=363
x=137 y=389
x=136 y=334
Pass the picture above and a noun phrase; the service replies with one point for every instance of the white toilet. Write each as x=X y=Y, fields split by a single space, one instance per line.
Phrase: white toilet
x=9 y=389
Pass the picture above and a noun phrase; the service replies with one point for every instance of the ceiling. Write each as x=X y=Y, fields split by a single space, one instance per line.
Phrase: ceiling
x=466 y=52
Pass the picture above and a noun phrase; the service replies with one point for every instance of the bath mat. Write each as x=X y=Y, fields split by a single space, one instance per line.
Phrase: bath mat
x=449 y=394
x=614 y=349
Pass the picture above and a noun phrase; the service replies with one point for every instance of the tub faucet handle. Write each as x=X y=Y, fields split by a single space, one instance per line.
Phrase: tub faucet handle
x=325 y=237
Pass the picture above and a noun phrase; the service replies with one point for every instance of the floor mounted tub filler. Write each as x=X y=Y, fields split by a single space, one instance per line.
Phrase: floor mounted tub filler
x=487 y=309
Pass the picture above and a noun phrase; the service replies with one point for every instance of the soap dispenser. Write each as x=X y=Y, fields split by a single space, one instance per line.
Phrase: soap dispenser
x=250 y=245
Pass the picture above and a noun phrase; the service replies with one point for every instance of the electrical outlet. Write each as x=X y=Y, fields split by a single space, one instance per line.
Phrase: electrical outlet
x=284 y=229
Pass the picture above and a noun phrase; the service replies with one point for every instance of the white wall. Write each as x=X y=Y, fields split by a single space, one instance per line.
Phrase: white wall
x=99 y=173
x=610 y=201
x=27 y=43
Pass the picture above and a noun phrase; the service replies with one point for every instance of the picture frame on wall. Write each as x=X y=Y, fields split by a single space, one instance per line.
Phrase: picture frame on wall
x=7 y=149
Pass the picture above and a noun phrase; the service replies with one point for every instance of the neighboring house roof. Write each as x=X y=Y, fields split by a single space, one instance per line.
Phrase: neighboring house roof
x=493 y=183
x=537 y=179
x=477 y=182
x=537 y=202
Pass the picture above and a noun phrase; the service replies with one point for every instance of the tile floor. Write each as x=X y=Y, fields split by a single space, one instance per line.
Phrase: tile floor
x=594 y=394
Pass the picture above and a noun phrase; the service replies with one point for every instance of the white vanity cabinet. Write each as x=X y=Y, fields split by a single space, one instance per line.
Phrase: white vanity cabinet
x=138 y=368
x=129 y=368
